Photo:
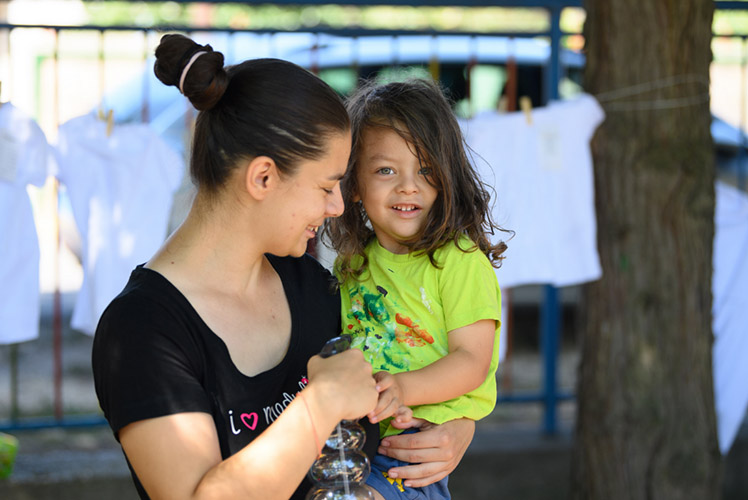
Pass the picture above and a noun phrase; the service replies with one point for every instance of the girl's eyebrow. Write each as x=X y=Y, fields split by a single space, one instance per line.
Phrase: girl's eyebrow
x=380 y=156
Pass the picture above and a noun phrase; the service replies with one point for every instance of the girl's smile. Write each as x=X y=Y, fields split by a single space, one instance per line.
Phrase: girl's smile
x=406 y=208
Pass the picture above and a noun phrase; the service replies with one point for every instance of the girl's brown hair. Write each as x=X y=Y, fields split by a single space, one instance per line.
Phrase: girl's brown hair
x=418 y=111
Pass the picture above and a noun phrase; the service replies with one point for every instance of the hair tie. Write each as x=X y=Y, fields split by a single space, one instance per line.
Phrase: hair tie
x=187 y=68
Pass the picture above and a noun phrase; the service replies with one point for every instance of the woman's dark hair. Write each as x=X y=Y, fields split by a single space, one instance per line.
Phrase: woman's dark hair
x=419 y=112
x=260 y=107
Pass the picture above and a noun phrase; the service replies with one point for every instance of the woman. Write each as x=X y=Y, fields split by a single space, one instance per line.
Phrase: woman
x=202 y=364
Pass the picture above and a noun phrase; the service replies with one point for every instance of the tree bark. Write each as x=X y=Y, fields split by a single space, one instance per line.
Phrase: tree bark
x=646 y=426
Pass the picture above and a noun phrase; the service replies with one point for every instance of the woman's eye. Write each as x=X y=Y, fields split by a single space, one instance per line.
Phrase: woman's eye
x=328 y=191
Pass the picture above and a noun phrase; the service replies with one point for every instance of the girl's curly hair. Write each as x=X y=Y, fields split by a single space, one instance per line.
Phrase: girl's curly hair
x=418 y=111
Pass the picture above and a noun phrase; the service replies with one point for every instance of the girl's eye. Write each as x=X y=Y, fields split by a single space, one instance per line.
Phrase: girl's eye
x=426 y=171
x=328 y=191
x=385 y=171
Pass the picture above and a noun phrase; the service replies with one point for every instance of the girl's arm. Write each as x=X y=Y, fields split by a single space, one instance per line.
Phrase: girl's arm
x=178 y=456
x=459 y=372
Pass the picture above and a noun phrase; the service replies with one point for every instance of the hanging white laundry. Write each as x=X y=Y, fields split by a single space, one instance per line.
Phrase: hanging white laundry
x=25 y=160
x=544 y=190
x=121 y=188
x=730 y=312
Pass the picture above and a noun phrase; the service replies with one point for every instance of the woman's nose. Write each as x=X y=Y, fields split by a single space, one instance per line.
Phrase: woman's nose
x=336 y=205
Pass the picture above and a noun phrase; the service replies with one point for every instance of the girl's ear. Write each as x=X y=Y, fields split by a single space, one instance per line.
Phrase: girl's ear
x=261 y=177
x=356 y=193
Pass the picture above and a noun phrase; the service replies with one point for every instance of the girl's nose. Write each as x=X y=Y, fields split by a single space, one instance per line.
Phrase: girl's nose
x=408 y=184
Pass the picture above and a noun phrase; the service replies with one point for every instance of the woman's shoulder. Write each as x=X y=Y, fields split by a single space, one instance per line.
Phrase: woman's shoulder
x=145 y=287
x=147 y=303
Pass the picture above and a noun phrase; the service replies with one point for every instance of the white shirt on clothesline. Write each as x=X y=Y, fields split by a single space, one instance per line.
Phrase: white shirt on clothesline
x=544 y=190
x=121 y=189
x=25 y=159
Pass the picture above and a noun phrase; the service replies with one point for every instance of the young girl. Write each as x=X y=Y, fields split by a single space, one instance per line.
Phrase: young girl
x=419 y=292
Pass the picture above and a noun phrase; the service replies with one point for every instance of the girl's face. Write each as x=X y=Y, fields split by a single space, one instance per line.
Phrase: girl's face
x=310 y=196
x=393 y=187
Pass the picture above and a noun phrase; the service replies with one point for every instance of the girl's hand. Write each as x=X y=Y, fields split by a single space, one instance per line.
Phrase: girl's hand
x=403 y=419
x=390 y=397
x=344 y=383
x=435 y=451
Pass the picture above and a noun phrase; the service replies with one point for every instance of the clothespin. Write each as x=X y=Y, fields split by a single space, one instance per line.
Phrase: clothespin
x=434 y=69
x=503 y=105
x=525 y=104
x=107 y=117
x=109 y=122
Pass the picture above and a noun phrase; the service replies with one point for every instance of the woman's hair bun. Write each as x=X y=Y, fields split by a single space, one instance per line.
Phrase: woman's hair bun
x=206 y=79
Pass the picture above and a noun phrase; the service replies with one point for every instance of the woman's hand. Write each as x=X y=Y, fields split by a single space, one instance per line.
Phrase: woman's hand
x=435 y=451
x=344 y=384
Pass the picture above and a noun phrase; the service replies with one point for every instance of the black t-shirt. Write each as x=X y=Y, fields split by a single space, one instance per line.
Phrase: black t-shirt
x=154 y=356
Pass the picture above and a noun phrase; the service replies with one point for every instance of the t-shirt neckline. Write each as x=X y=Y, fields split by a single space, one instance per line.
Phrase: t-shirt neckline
x=218 y=340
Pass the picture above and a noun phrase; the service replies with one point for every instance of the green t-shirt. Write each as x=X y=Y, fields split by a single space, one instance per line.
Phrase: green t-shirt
x=400 y=312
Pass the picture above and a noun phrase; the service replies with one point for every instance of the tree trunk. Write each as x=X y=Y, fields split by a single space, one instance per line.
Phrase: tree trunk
x=646 y=424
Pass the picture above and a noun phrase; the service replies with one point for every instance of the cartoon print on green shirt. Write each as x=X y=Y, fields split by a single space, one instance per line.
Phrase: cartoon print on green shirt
x=374 y=331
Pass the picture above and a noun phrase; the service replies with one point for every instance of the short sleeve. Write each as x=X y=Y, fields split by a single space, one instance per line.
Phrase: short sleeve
x=469 y=288
x=27 y=157
x=37 y=158
x=145 y=364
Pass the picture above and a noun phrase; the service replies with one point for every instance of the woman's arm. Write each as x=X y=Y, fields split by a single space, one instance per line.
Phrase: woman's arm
x=434 y=452
x=178 y=456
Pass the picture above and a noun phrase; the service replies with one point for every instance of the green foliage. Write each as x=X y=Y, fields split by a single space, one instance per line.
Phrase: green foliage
x=731 y=22
x=242 y=16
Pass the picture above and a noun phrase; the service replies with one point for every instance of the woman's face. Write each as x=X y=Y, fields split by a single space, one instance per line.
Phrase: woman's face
x=311 y=196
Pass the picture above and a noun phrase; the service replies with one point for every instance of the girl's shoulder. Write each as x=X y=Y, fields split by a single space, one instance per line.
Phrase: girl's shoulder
x=462 y=244
x=460 y=252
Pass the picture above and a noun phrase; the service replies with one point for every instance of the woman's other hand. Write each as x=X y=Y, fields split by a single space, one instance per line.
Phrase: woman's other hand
x=434 y=452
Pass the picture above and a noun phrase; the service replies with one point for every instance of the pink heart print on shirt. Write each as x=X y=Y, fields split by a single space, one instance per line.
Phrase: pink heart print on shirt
x=249 y=417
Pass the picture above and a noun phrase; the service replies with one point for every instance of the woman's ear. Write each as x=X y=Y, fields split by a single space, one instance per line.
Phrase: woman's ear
x=261 y=176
